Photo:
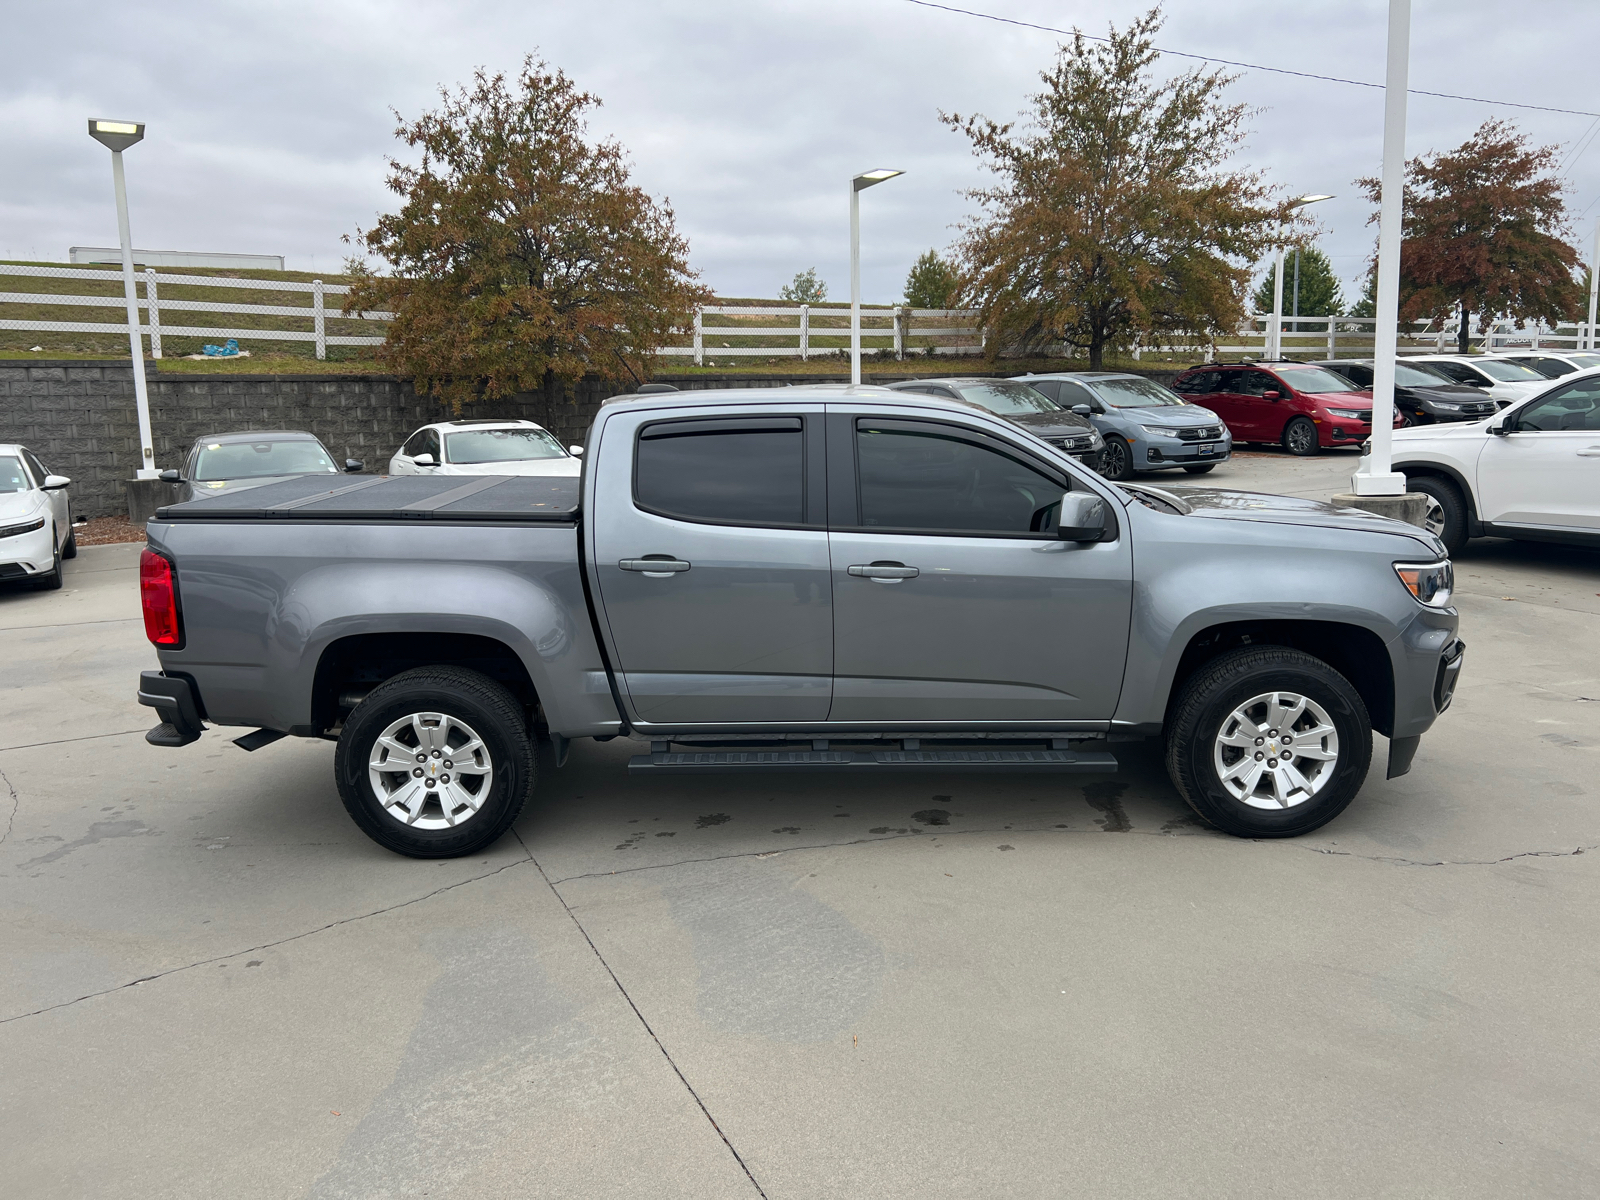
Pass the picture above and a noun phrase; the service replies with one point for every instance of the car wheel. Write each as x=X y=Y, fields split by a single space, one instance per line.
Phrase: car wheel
x=1116 y=460
x=435 y=763
x=70 y=550
x=1200 y=468
x=1300 y=437
x=1268 y=742
x=1447 y=511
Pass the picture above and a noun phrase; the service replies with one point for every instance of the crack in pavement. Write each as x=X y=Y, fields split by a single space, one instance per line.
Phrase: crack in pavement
x=88 y=737
x=16 y=802
x=293 y=937
x=676 y=1070
x=72 y=624
x=1450 y=862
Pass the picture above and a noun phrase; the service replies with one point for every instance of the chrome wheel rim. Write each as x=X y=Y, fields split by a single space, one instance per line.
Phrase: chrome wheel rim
x=1276 y=750
x=430 y=770
x=1434 y=520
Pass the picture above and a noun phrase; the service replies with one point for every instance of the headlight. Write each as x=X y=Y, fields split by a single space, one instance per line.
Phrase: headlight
x=1447 y=407
x=1096 y=441
x=13 y=530
x=1430 y=583
x=1350 y=414
x=1161 y=430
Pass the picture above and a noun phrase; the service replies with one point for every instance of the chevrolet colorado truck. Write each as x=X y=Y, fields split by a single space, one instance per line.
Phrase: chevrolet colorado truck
x=807 y=579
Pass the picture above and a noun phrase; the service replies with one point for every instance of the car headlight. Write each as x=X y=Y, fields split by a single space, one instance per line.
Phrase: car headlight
x=1350 y=414
x=1161 y=430
x=1446 y=406
x=1431 y=583
x=13 y=530
x=1096 y=441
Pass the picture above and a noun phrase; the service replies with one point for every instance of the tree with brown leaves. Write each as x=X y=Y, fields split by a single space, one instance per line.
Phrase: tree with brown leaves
x=1483 y=233
x=522 y=258
x=1115 y=216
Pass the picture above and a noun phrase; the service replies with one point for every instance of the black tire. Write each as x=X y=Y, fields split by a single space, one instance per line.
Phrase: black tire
x=1201 y=468
x=70 y=550
x=1300 y=437
x=1209 y=700
x=1116 y=460
x=1452 y=506
x=469 y=699
x=51 y=581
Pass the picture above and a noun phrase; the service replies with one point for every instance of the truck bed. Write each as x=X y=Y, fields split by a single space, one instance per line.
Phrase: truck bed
x=377 y=499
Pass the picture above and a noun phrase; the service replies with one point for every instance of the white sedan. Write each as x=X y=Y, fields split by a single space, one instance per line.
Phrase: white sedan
x=35 y=520
x=484 y=447
x=1502 y=380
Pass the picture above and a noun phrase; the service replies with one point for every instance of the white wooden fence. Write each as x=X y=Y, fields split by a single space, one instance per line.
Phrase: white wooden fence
x=153 y=307
x=794 y=338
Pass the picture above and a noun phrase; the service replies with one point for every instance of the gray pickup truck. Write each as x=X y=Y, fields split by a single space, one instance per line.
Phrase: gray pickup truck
x=806 y=579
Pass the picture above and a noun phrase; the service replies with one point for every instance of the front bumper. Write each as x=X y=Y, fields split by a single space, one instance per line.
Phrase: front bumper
x=174 y=699
x=25 y=554
x=1157 y=452
x=1432 y=672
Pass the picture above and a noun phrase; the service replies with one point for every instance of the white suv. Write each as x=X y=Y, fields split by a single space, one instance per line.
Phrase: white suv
x=1531 y=471
x=1502 y=380
x=484 y=447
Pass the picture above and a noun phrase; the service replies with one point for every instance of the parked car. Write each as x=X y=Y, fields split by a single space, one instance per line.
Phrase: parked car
x=1421 y=393
x=1530 y=472
x=1146 y=427
x=1021 y=405
x=1553 y=364
x=35 y=520
x=227 y=462
x=809 y=580
x=1503 y=380
x=1300 y=407
x=484 y=447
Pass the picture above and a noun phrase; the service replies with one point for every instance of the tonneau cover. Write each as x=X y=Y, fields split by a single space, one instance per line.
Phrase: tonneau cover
x=513 y=498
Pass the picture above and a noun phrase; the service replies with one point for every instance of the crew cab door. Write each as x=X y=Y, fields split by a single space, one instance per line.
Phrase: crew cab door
x=953 y=601
x=1545 y=472
x=710 y=550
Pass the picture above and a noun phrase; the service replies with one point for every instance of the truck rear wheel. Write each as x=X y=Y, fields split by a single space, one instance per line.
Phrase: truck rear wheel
x=435 y=763
x=1268 y=742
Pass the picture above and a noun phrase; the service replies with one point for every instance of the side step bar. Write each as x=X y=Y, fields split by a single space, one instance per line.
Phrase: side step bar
x=711 y=762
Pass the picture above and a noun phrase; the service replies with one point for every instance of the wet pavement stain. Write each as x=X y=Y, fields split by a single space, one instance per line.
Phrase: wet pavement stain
x=933 y=816
x=787 y=829
x=98 y=832
x=886 y=829
x=710 y=819
x=1105 y=796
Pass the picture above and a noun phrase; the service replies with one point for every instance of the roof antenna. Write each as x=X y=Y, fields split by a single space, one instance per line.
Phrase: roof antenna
x=637 y=382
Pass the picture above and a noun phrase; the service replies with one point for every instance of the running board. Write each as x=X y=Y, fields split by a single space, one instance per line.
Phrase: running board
x=711 y=762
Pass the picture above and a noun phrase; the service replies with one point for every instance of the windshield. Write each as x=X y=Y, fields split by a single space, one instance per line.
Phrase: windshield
x=256 y=460
x=1007 y=399
x=1507 y=372
x=12 y=476
x=500 y=445
x=1407 y=375
x=1316 y=380
x=1583 y=361
x=1134 y=393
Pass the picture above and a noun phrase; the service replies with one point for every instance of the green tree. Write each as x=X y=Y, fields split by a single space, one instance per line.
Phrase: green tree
x=932 y=283
x=1483 y=232
x=1115 y=215
x=1367 y=306
x=522 y=257
x=804 y=288
x=1320 y=294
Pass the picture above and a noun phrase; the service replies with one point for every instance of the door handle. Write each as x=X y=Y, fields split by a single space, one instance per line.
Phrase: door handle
x=883 y=572
x=656 y=568
x=1591 y=452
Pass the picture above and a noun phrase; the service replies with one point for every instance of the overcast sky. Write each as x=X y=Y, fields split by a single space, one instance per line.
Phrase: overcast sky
x=269 y=123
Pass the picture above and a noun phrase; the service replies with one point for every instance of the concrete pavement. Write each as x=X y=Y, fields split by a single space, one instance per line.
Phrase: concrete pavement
x=217 y=986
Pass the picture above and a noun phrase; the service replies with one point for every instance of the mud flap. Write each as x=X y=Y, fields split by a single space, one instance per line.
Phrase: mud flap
x=1401 y=752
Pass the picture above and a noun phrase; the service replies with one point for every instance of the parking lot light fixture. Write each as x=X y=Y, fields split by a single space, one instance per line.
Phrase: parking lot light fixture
x=862 y=181
x=117 y=136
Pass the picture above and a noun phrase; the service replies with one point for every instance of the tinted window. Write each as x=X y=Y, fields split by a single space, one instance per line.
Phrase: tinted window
x=740 y=471
x=257 y=460
x=1550 y=368
x=1050 y=389
x=35 y=466
x=921 y=479
x=1361 y=374
x=1198 y=384
x=1574 y=408
x=413 y=446
x=1253 y=383
x=1076 y=393
x=1458 y=372
x=501 y=445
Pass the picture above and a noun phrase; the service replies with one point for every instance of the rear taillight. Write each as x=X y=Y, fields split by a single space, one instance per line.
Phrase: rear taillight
x=158 y=591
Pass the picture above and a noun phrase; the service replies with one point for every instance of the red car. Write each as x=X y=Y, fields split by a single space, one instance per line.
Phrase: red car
x=1300 y=407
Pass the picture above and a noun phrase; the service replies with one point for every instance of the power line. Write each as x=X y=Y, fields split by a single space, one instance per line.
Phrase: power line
x=1228 y=62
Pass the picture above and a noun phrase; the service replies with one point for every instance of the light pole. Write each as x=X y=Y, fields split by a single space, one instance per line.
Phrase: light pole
x=864 y=180
x=1275 y=329
x=117 y=136
x=1594 y=286
x=1375 y=476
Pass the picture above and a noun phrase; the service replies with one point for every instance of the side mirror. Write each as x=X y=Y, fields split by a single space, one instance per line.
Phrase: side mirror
x=1083 y=518
x=575 y=451
x=352 y=465
x=1083 y=410
x=170 y=477
x=1269 y=395
x=424 y=460
x=54 y=482
x=1501 y=428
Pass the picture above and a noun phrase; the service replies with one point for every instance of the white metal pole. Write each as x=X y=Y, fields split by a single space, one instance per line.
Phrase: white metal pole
x=1375 y=476
x=147 y=456
x=855 y=285
x=1594 y=285
x=1297 y=287
x=1275 y=328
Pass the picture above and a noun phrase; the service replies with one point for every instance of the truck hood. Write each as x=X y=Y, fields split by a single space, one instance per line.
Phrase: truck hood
x=1227 y=505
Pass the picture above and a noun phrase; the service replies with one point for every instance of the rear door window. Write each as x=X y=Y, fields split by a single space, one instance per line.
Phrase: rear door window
x=1050 y=389
x=734 y=471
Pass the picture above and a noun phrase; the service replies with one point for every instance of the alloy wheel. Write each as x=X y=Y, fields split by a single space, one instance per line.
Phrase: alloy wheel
x=1276 y=750
x=430 y=770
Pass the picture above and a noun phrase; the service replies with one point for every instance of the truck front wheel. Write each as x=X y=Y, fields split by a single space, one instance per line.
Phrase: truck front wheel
x=435 y=763
x=1268 y=742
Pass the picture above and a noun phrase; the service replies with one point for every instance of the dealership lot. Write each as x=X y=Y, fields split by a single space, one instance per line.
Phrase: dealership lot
x=959 y=986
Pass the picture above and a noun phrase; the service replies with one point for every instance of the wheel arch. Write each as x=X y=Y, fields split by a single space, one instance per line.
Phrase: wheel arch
x=1444 y=471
